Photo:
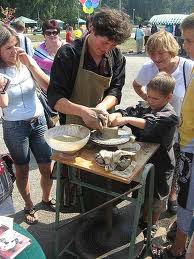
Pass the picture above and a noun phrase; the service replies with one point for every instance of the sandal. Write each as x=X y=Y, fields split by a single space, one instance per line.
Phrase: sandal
x=30 y=216
x=143 y=226
x=51 y=204
x=156 y=252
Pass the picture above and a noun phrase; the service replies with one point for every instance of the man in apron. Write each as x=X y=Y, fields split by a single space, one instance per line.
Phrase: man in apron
x=90 y=72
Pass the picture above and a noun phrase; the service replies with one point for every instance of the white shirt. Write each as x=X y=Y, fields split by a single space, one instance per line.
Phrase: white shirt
x=149 y=70
x=28 y=46
x=23 y=100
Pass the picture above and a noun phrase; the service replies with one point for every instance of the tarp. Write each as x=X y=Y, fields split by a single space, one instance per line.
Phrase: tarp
x=81 y=20
x=25 y=20
x=167 y=19
x=59 y=21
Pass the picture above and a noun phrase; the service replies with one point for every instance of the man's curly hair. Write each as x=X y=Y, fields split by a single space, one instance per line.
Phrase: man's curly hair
x=113 y=24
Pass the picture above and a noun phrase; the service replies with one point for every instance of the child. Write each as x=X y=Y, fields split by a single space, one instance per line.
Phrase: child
x=154 y=123
x=186 y=179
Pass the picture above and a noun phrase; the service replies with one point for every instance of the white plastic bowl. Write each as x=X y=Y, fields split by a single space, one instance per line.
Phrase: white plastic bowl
x=72 y=130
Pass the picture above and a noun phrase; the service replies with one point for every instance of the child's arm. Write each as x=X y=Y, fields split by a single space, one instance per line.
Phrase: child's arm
x=116 y=119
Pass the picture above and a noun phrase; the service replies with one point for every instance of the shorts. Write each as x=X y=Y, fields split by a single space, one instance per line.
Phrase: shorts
x=22 y=136
x=185 y=192
x=6 y=207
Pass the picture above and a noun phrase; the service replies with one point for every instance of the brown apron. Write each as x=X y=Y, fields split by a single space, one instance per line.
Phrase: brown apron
x=89 y=87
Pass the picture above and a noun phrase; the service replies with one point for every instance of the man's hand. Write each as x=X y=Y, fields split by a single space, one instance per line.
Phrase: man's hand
x=102 y=115
x=91 y=118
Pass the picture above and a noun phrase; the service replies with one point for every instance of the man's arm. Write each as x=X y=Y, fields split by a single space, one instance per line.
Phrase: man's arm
x=112 y=95
x=88 y=115
x=108 y=103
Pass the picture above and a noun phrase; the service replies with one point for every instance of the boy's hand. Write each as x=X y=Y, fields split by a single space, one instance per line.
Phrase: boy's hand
x=115 y=119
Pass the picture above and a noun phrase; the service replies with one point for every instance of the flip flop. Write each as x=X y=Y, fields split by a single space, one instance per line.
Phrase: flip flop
x=30 y=213
x=51 y=204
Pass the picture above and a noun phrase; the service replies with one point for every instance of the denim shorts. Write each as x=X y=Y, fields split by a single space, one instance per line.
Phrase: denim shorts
x=22 y=136
x=186 y=197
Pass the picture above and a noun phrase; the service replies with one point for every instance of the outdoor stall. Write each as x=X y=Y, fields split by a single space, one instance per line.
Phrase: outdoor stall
x=85 y=162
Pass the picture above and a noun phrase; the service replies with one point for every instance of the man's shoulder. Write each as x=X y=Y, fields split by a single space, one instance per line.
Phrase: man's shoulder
x=71 y=50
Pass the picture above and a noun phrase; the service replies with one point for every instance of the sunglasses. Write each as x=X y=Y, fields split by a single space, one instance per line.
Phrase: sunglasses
x=49 y=33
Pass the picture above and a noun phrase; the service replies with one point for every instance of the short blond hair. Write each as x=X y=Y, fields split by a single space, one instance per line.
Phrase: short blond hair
x=162 y=83
x=162 y=41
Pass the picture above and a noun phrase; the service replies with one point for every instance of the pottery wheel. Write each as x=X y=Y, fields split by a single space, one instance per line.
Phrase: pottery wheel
x=123 y=137
x=92 y=241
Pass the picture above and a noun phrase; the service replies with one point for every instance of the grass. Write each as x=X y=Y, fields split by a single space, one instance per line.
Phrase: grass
x=125 y=47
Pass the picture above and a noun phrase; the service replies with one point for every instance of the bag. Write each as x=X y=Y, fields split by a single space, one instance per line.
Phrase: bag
x=51 y=116
x=7 y=177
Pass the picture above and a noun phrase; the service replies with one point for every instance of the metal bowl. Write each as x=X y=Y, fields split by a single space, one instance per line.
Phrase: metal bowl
x=67 y=138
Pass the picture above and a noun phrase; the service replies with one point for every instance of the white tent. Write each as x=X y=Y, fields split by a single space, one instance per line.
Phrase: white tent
x=167 y=19
x=25 y=20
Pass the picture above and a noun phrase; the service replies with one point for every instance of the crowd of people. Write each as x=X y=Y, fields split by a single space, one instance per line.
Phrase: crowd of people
x=81 y=78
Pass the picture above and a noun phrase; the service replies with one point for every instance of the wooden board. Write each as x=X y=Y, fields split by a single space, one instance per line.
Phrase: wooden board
x=85 y=160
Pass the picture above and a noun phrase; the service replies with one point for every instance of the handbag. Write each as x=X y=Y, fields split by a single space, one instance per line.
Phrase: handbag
x=7 y=177
x=50 y=115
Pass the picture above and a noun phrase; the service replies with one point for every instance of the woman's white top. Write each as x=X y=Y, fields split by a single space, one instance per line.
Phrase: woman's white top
x=23 y=100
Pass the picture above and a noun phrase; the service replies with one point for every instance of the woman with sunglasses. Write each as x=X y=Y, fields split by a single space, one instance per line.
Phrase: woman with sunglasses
x=44 y=56
x=45 y=53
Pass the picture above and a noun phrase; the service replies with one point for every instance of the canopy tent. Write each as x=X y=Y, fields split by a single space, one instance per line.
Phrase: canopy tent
x=167 y=19
x=81 y=20
x=61 y=23
x=26 y=20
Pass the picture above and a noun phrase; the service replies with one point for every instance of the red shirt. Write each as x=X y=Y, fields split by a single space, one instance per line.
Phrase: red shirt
x=68 y=37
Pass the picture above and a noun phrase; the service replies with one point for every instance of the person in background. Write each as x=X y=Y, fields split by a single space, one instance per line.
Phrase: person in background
x=147 y=33
x=163 y=50
x=169 y=28
x=23 y=119
x=88 y=75
x=154 y=29
x=69 y=34
x=44 y=54
x=139 y=37
x=154 y=122
x=25 y=42
x=186 y=176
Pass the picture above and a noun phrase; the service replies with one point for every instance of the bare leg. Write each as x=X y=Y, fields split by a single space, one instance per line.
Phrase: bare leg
x=45 y=181
x=22 y=182
x=179 y=245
